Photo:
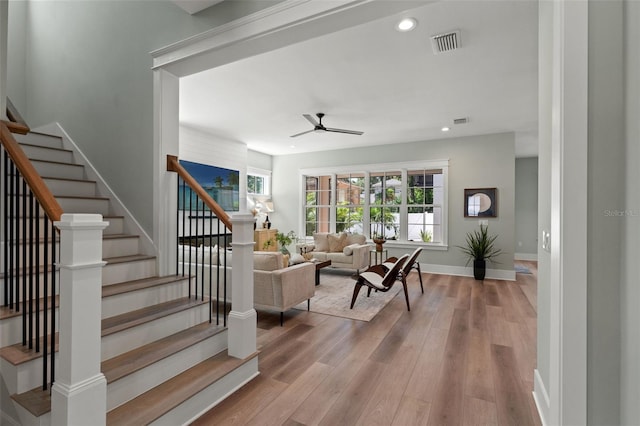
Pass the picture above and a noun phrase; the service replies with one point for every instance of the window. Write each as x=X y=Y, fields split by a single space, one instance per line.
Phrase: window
x=425 y=197
x=405 y=202
x=317 y=204
x=258 y=182
x=349 y=201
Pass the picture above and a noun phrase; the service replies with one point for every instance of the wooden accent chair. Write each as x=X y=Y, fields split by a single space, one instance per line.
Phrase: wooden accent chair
x=410 y=264
x=375 y=278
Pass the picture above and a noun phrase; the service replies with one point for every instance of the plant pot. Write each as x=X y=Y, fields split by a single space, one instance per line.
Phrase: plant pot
x=379 y=242
x=479 y=269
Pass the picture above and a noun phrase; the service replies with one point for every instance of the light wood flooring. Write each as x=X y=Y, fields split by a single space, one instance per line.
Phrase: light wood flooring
x=464 y=355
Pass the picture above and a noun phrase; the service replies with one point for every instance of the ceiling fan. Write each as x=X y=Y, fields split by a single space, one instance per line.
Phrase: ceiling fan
x=319 y=127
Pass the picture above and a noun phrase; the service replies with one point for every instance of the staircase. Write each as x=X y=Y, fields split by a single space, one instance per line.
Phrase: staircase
x=163 y=361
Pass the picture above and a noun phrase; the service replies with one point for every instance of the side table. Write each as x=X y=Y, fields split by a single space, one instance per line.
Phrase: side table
x=377 y=256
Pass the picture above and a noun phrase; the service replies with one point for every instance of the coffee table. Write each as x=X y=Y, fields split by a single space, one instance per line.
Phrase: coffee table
x=320 y=265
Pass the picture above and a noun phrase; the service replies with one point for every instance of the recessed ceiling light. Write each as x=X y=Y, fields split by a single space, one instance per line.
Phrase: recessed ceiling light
x=445 y=129
x=407 y=24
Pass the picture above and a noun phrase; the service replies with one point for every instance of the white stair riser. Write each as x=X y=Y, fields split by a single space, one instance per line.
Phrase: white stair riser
x=141 y=381
x=208 y=398
x=125 y=246
x=114 y=273
x=74 y=188
x=28 y=419
x=40 y=140
x=111 y=247
x=47 y=154
x=23 y=377
x=84 y=205
x=116 y=226
x=59 y=170
x=125 y=302
x=134 y=337
x=38 y=287
x=11 y=329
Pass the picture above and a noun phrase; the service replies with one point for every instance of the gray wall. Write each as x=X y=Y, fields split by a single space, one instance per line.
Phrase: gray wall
x=605 y=182
x=630 y=288
x=87 y=65
x=474 y=162
x=526 y=207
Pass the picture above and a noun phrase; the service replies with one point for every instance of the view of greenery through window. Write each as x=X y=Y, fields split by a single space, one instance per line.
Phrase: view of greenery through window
x=255 y=184
x=376 y=202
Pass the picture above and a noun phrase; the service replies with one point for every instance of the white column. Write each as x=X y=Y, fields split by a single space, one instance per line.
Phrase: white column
x=166 y=94
x=4 y=35
x=79 y=394
x=242 y=318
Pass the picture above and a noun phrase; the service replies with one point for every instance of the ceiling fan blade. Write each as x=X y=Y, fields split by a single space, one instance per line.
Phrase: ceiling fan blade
x=311 y=120
x=350 y=132
x=302 y=133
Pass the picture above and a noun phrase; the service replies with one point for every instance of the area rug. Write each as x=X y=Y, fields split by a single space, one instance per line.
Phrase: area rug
x=333 y=297
x=520 y=269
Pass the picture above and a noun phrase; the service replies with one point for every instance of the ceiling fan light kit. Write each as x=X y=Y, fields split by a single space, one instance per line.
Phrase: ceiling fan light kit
x=319 y=127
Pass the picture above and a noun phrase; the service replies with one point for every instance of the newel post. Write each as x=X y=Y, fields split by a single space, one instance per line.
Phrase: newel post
x=242 y=318
x=79 y=394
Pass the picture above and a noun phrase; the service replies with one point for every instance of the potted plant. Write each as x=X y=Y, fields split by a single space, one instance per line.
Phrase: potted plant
x=480 y=248
x=284 y=240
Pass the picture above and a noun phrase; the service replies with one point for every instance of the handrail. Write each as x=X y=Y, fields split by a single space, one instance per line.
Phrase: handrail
x=14 y=115
x=174 y=166
x=38 y=187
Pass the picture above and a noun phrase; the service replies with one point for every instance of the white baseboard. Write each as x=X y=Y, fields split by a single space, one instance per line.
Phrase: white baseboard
x=526 y=256
x=541 y=398
x=467 y=271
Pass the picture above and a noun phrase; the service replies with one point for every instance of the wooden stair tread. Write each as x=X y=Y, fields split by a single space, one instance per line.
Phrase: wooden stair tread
x=6 y=312
x=35 y=132
x=130 y=258
x=128 y=286
x=139 y=358
x=154 y=403
x=117 y=236
x=18 y=354
x=44 y=147
x=67 y=179
x=131 y=319
x=76 y=197
x=36 y=401
x=33 y=160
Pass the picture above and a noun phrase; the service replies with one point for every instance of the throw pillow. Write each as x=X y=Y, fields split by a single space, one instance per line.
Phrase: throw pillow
x=336 y=242
x=348 y=250
x=320 y=241
x=356 y=239
x=285 y=260
x=307 y=256
x=296 y=258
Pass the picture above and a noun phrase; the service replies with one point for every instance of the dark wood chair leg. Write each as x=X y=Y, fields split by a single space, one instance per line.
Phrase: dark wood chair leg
x=368 y=291
x=406 y=294
x=420 y=276
x=356 y=290
x=308 y=304
x=281 y=319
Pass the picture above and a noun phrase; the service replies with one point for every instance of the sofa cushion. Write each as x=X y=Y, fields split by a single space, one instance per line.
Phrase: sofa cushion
x=320 y=241
x=267 y=260
x=348 y=250
x=336 y=242
x=355 y=239
x=339 y=258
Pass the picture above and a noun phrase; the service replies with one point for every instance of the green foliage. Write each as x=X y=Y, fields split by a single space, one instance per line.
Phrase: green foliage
x=480 y=246
x=285 y=239
x=426 y=236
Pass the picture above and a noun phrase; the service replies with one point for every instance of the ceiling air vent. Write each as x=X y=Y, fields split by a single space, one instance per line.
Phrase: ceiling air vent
x=445 y=42
x=460 y=120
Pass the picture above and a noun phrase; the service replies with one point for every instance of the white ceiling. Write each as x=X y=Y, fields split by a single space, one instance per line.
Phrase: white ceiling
x=380 y=81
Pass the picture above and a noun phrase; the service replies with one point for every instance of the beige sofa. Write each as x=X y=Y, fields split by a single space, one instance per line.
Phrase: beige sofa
x=274 y=285
x=349 y=251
